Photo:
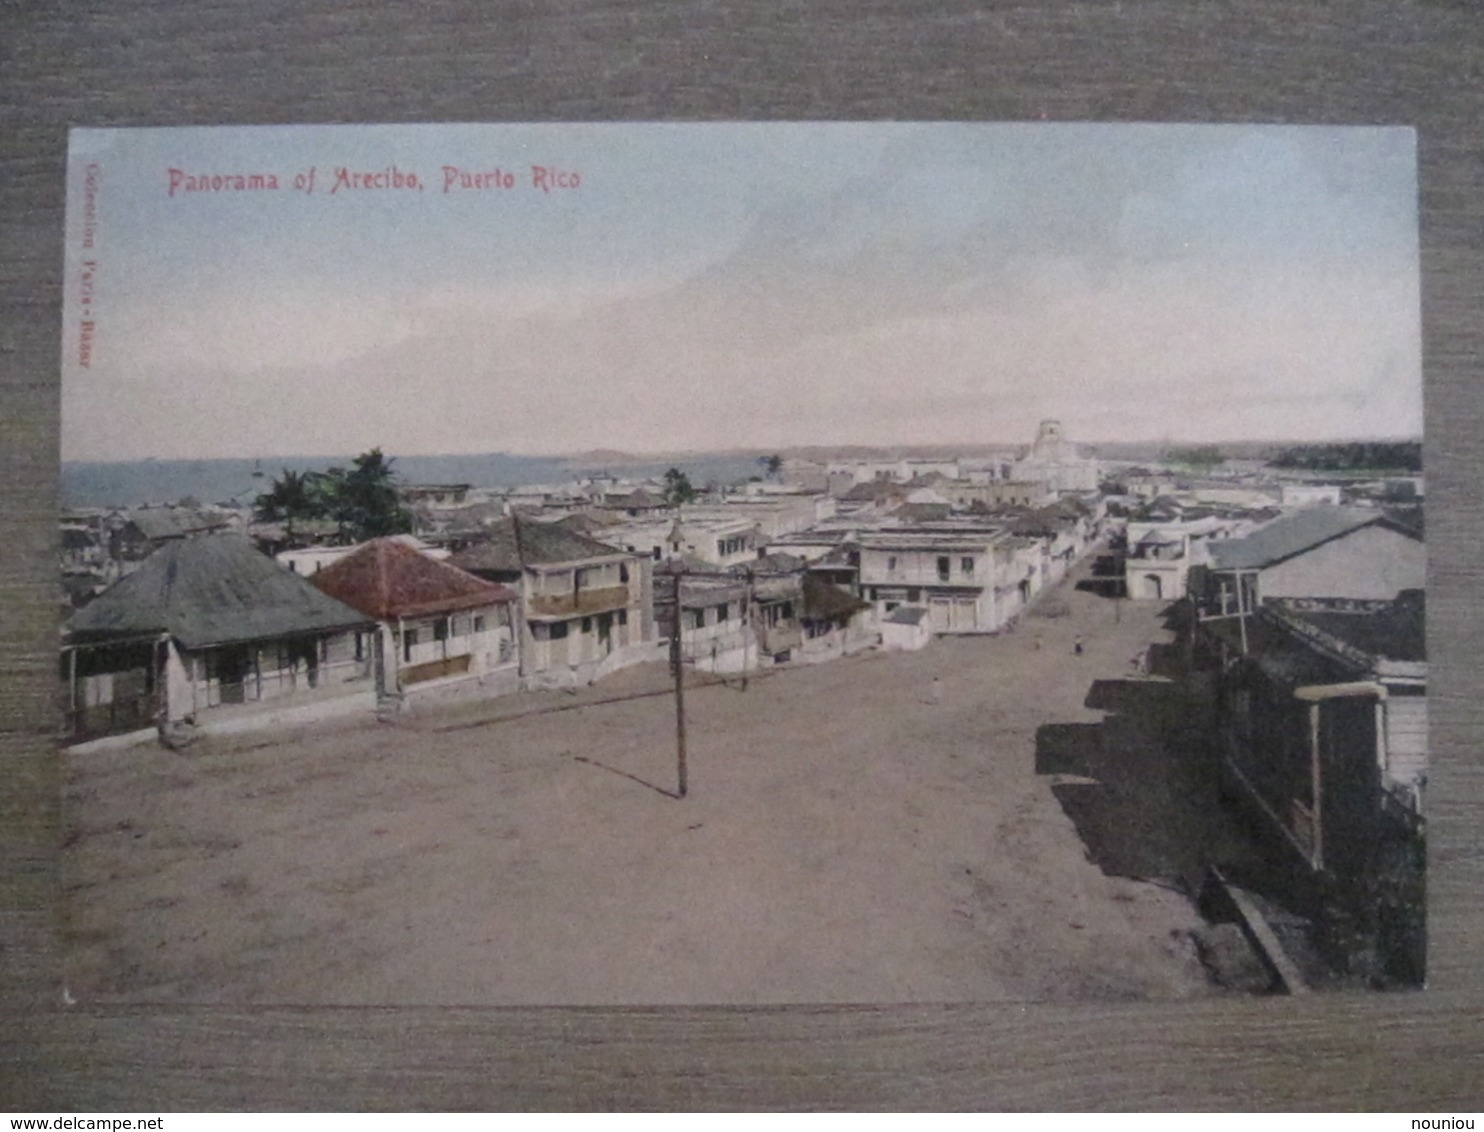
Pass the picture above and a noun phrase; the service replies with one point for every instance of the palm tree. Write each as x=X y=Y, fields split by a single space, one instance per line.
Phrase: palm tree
x=772 y=465
x=678 y=487
x=291 y=497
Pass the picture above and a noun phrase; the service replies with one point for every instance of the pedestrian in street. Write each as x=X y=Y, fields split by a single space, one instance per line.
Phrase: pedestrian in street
x=1077 y=646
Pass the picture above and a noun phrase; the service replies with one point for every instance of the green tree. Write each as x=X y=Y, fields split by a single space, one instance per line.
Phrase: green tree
x=363 y=499
x=773 y=465
x=292 y=498
x=678 y=487
x=1199 y=456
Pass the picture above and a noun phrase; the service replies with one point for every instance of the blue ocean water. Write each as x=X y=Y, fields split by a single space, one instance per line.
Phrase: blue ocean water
x=140 y=482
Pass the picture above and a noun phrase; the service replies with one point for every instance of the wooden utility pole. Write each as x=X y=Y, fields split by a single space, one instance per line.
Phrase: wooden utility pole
x=677 y=668
x=747 y=627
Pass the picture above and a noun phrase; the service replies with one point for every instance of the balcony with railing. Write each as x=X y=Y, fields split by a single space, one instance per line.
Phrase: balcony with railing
x=578 y=603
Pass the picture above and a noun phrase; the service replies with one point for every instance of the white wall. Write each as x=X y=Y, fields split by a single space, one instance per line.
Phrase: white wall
x=920 y=567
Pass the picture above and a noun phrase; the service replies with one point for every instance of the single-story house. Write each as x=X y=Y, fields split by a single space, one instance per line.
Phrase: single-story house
x=835 y=623
x=438 y=626
x=210 y=632
x=906 y=628
x=1323 y=551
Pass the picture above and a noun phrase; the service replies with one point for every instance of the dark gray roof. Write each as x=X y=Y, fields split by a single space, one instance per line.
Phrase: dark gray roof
x=1293 y=534
x=158 y=523
x=514 y=543
x=211 y=590
x=906 y=615
x=1392 y=630
x=824 y=602
x=777 y=561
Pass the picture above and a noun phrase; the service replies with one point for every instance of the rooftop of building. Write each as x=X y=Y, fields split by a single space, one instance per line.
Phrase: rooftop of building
x=212 y=589
x=387 y=579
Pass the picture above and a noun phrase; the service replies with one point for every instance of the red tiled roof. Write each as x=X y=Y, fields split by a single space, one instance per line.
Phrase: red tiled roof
x=386 y=579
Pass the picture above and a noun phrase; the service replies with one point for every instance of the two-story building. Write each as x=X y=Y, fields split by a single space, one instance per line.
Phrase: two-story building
x=953 y=573
x=586 y=606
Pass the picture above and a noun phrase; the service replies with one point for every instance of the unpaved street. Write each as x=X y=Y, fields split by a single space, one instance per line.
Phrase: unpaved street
x=846 y=839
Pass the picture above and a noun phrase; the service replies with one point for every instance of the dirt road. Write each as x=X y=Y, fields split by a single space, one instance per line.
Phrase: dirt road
x=846 y=839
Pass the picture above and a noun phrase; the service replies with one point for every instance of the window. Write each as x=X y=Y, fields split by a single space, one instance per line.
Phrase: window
x=623 y=616
x=623 y=572
x=721 y=613
x=891 y=563
x=697 y=618
x=360 y=646
x=914 y=595
x=944 y=567
x=479 y=623
x=587 y=624
x=440 y=629
x=967 y=565
x=558 y=630
x=657 y=552
x=507 y=647
x=409 y=642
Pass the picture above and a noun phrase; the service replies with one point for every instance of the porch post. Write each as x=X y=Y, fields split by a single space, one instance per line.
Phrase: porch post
x=397 y=651
x=1316 y=773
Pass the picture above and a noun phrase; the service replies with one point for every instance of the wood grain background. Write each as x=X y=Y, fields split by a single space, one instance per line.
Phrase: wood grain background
x=154 y=62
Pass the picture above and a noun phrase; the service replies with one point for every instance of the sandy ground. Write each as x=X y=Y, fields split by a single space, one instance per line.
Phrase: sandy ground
x=846 y=839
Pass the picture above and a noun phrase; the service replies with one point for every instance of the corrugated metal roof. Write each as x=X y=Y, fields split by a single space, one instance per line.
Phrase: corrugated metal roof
x=210 y=590
x=514 y=543
x=386 y=579
x=1393 y=630
x=159 y=523
x=1292 y=534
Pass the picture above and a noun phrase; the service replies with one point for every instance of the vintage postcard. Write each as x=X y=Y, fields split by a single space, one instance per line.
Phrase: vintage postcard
x=742 y=563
